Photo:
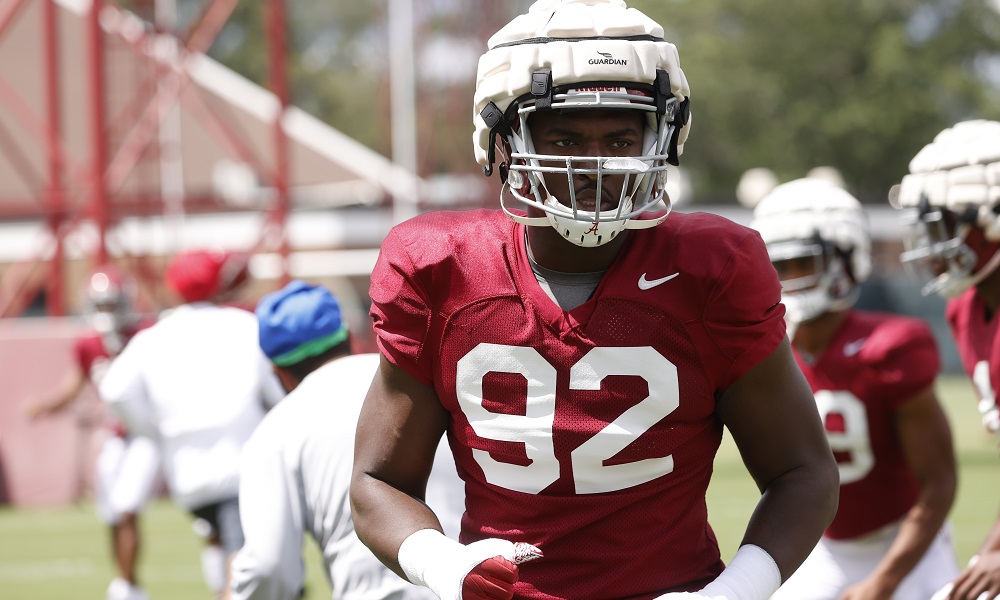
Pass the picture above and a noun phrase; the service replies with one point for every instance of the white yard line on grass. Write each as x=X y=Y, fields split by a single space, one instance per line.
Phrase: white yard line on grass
x=39 y=570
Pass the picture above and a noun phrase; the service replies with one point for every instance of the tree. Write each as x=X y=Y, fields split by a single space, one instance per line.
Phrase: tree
x=860 y=85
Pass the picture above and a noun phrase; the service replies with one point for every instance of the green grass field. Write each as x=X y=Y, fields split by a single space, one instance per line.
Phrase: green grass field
x=59 y=554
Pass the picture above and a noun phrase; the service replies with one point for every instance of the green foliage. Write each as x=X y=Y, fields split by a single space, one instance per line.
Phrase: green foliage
x=860 y=85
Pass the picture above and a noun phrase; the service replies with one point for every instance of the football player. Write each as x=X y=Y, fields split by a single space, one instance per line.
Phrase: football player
x=198 y=384
x=582 y=350
x=127 y=466
x=953 y=194
x=873 y=377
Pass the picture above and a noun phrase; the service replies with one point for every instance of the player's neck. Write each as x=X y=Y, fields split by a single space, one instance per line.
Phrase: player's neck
x=812 y=338
x=551 y=251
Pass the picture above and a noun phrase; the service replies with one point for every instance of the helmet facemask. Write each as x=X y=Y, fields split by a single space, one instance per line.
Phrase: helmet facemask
x=818 y=240
x=107 y=305
x=527 y=174
x=581 y=55
x=936 y=252
x=952 y=199
x=815 y=279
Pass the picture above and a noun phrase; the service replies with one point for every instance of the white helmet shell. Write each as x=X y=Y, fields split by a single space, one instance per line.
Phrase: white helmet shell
x=803 y=208
x=577 y=40
x=585 y=54
x=959 y=172
x=812 y=211
x=107 y=303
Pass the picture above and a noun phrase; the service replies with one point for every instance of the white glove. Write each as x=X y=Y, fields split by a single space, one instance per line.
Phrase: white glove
x=432 y=560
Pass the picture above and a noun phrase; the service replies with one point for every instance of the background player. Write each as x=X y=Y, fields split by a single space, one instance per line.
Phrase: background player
x=873 y=377
x=954 y=190
x=582 y=356
x=127 y=466
x=198 y=384
x=297 y=465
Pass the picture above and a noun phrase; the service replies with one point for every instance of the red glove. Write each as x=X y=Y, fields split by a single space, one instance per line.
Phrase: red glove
x=483 y=570
x=492 y=579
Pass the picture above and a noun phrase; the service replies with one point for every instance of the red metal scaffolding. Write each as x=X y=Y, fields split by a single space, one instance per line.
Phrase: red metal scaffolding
x=67 y=194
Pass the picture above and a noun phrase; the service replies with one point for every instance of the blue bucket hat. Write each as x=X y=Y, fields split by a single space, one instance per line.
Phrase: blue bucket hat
x=299 y=321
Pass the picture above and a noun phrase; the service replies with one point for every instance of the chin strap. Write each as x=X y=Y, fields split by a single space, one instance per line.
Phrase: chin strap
x=645 y=223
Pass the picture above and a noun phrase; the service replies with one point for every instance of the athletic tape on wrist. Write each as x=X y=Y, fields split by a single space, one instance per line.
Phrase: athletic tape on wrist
x=751 y=575
x=431 y=559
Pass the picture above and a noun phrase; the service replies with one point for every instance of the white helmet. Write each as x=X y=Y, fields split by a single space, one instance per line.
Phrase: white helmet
x=953 y=186
x=595 y=54
x=815 y=218
x=108 y=300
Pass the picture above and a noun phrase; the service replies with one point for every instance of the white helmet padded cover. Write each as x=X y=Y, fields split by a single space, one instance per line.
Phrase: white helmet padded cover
x=581 y=41
x=805 y=208
x=959 y=170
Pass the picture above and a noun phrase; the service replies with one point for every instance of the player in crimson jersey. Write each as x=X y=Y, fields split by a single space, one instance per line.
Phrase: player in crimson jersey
x=954 y=190
x=873 y=377
x=127 y=467
x=583 y=356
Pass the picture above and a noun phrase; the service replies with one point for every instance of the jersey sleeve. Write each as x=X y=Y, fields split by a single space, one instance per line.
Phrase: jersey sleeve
x=903 y=359
x=86 y=350
x=744 y=315
x=400 y=311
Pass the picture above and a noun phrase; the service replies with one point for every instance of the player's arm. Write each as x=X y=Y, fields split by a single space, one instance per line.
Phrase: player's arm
x=981 y=578
x=69 y=388
x=925 y=437
x=771 y=413
x=269 y=565
x=399 y=428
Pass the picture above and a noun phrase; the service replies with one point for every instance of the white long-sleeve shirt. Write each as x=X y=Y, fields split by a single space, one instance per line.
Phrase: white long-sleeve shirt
x=295 y=480
x=198 y=384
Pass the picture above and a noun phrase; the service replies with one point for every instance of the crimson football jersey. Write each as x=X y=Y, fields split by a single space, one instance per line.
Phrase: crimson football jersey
x=978 y=341
x=92 y=356
x=591 y=432
x=874 y=364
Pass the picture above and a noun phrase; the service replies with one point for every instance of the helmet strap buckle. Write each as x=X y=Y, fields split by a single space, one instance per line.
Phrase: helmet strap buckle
x=541 y=88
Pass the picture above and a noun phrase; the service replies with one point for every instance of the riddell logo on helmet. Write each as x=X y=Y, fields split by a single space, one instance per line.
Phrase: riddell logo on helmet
x=593 y=89
x=607 y=59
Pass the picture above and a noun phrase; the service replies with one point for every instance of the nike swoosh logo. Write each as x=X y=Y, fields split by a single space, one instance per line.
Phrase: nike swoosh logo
x=852 y=348
x=646 y=284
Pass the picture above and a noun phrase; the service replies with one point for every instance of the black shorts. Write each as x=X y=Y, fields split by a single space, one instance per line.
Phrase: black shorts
x=224 y=518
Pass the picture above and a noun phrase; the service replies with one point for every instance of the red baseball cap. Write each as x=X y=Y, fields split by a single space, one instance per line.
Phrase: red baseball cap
x=194 y=274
